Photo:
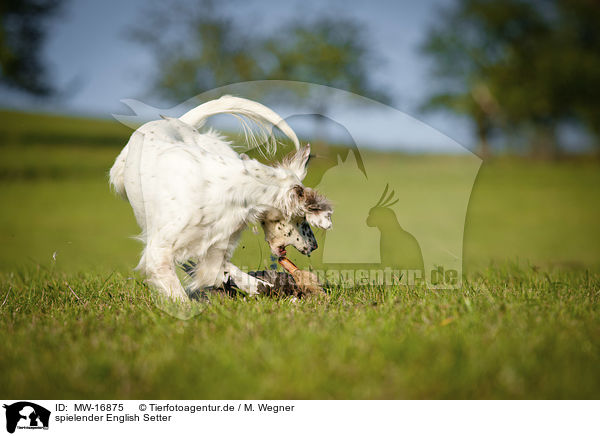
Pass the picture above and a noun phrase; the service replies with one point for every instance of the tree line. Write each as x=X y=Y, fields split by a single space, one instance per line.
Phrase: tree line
x=516 y=68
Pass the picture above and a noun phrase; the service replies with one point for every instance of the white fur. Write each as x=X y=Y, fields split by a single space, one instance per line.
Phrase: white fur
x=193 y=195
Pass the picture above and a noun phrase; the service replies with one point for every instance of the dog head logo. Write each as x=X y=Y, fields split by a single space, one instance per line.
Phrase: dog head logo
x=26 y=415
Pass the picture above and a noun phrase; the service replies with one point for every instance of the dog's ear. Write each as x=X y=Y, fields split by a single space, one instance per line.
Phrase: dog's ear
x=296 y=202
x=299 y=162
x=318 y=209
x=299 y=191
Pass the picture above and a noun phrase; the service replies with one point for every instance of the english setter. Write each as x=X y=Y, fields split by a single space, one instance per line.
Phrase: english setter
x=193 y=195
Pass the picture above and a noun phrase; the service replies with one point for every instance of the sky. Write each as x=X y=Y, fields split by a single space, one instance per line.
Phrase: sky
x=95 y=65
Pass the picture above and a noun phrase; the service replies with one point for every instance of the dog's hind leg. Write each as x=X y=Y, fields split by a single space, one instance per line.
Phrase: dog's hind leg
x=208 y=271
x=161 y=273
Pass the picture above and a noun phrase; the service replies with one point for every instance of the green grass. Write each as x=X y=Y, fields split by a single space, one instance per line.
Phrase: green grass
x=524 y=324
x=511 y=333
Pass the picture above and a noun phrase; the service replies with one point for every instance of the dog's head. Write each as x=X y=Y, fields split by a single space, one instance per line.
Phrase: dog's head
x=281 y=232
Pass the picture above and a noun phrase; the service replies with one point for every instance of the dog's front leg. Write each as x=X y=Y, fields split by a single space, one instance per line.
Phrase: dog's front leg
x=251 y=285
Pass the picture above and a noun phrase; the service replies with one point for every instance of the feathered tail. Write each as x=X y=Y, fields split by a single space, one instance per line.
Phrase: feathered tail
x=244 y=109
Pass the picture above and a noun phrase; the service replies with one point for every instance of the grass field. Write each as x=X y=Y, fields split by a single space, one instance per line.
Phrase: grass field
x=524 y=324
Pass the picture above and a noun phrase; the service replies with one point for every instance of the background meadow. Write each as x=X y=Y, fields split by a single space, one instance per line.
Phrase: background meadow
x=524 y=323
x=517 y=215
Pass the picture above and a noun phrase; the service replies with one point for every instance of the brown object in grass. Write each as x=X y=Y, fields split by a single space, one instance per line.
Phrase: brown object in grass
x=307 y=282
x=293 y=282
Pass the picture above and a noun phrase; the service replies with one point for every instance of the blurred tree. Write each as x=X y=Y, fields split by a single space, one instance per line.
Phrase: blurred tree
x=22 y=34
x=525 y=76
x=533 y=64
x=200 y=48
x=327 y=51
x=577 y=60
x=472 y=40
x=197 y=48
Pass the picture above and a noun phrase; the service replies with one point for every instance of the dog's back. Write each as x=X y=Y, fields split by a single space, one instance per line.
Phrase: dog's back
x=185 y=191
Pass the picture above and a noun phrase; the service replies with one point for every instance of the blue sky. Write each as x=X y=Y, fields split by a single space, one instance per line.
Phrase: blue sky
x=90 y=57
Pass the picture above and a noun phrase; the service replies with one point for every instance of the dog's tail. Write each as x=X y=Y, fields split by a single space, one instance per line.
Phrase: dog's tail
x=244 y=110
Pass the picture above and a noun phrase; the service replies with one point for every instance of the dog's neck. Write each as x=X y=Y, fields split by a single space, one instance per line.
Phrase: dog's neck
x=263 y=187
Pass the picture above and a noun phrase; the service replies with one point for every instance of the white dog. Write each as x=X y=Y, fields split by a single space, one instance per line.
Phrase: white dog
x=193 y=195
